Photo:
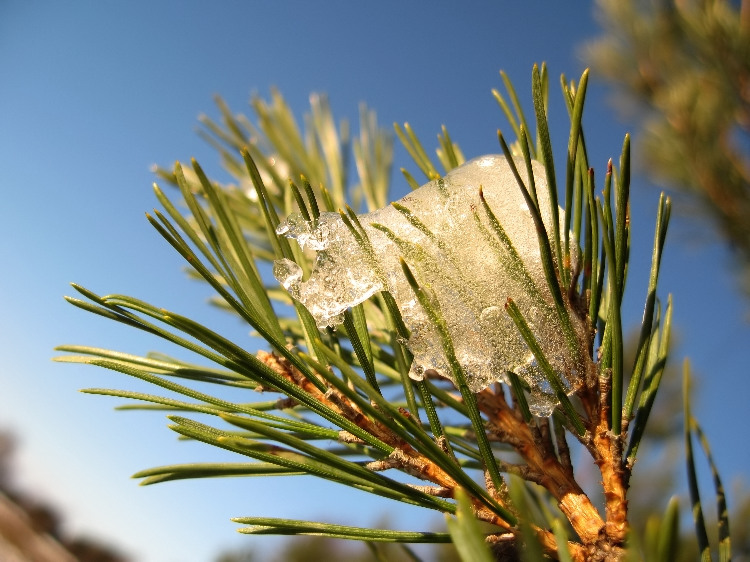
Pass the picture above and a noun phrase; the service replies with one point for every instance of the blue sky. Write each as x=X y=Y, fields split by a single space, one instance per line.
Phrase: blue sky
x=93 y=93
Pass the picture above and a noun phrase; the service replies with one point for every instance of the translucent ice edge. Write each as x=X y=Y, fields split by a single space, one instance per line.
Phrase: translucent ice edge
x=446 y=237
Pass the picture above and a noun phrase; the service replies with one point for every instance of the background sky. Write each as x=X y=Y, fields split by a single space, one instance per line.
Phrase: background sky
x=93 y=93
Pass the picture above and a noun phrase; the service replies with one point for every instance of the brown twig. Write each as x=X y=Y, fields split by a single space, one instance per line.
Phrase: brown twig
x=558 y=480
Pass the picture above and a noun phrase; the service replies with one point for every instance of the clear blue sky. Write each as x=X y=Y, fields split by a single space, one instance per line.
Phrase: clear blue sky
x=93 y=93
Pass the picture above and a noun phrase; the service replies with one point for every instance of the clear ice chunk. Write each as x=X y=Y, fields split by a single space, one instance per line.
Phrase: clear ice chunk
x=443 y=232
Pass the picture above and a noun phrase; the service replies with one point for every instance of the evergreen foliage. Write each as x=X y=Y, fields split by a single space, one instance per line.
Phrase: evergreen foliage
x=342 y=406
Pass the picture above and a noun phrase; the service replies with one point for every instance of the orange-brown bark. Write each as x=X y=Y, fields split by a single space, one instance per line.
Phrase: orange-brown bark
x=403 y=455
x=548 y=471
x=600 y=539
x=609 y=448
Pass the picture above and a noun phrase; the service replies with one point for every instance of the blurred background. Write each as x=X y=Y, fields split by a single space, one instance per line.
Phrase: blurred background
x=92 y=94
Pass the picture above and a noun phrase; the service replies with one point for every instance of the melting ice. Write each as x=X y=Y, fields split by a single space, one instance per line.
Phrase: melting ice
x=462 y=263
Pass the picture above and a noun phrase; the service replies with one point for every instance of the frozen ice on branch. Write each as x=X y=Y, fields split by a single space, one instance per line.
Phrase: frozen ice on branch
x=468 y=262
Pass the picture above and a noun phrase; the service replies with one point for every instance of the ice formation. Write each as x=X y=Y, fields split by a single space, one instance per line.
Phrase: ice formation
x=461 y=262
